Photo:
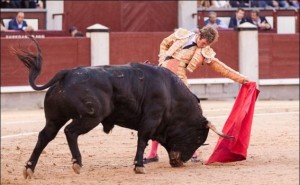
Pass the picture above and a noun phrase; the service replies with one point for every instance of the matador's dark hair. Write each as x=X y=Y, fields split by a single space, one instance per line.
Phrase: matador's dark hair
x=209 y=33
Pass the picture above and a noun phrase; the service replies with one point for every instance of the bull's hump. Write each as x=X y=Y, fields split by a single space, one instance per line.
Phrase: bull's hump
x=81 y=74
x=137 y=70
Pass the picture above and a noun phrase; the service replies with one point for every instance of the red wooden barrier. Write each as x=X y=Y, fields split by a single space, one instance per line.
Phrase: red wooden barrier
x=278 y=54
x=128 y=47
x=13 y=34
x=122 y=16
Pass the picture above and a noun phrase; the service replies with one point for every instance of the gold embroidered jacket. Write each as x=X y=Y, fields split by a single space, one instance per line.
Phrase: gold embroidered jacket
x=192 y=58
x=172 y=46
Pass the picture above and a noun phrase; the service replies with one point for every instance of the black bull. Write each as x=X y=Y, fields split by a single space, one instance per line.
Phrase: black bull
x=146 y=98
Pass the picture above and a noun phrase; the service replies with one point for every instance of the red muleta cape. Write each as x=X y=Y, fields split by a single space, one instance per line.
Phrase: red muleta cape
x=238 y=125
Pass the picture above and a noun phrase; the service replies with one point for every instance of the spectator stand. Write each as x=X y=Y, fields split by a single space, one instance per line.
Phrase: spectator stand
x=282 y=20
x=34 y=17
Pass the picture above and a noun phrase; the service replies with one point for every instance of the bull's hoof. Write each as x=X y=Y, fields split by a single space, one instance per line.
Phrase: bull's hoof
x=76 y=167
x=139 y=170
x=27 y=173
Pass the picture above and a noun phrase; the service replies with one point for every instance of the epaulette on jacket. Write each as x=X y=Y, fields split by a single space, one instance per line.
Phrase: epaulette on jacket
x=181 y=33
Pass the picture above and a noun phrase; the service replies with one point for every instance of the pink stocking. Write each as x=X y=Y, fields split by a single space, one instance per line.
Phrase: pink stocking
x=153 y=151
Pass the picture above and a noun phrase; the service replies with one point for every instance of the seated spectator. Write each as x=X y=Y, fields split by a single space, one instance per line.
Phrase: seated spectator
x=74 y=32
x=3 y=26
x=293 y=3
x=283 y=3
x=272 y=3
x=259 y=3
x=220 y=4
x=214 y=21
x=204 y=3
x=15 y=3
x=29 y=3
x=239 y=3
x=4 y=4
x=277 y=3
x=260 y=21
x=10 y=4
x=19 y=23
x=238 y=19
x=40 y=4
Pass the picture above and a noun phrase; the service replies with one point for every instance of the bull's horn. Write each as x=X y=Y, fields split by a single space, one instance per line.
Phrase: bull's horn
x=213 y=128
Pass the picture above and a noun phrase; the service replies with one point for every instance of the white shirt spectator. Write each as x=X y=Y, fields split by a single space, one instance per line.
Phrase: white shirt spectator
x=221 y=4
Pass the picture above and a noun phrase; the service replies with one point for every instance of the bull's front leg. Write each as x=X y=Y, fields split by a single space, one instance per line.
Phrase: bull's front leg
x=72 y=131
x=138 y=160
x=148 y=127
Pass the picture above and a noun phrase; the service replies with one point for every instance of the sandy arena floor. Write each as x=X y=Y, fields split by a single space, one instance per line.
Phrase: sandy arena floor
x=273 y=154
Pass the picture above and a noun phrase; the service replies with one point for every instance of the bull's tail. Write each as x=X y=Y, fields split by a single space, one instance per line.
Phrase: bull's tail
x=34 y=64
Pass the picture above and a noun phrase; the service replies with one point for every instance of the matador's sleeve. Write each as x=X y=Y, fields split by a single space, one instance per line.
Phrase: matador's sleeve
x=221 y=68
x=226 y=71
x=207 y=55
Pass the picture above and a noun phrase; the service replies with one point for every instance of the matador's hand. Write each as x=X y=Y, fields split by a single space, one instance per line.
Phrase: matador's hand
x=245 y=81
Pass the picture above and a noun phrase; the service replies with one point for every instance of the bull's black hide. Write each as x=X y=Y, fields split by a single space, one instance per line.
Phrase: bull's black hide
x=149 y=99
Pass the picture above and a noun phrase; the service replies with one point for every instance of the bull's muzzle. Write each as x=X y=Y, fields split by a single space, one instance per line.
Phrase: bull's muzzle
x=175 y=160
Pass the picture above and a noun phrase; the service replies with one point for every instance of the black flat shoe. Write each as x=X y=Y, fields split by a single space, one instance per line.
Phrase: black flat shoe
x=195 y=160
x=154 y=159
